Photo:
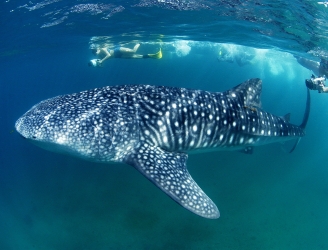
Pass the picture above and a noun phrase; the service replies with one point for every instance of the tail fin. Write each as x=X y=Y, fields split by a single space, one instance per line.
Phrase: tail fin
x=305 y=117
x=307 y=110
x=158 y=55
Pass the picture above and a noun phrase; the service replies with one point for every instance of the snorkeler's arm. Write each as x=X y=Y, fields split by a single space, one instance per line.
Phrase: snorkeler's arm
x=323 y=89
x=108 y=55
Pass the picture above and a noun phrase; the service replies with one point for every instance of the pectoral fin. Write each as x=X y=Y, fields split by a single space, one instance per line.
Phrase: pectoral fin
x=168 y=171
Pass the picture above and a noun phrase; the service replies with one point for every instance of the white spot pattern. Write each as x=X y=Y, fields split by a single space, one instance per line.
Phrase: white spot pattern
x=107 y=124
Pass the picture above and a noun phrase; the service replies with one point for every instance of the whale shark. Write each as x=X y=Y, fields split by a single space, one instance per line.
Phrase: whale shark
x=153 y=128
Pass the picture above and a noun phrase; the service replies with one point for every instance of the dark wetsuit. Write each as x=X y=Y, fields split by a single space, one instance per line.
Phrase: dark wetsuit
x=117 y=52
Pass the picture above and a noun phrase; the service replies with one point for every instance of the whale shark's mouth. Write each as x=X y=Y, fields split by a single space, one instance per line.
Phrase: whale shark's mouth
x=24 y=127
x=19 y=127
x=22 y=136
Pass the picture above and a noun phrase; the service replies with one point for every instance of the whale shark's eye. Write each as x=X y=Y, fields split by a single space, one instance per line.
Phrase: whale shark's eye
x=34 y=137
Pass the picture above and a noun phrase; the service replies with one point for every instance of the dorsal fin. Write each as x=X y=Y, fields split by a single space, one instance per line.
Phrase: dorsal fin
x=249 y=92
x=286 y=117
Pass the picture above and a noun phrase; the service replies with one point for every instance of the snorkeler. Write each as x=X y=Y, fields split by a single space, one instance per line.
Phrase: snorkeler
x=324 y=3
x=119 y=52
x=317 y=83
x=318 y=68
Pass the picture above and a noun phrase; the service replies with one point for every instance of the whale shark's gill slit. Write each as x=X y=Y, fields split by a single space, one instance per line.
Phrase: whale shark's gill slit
x=170 y=135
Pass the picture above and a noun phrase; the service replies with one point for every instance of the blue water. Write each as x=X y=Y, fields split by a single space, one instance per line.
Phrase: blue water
x=268 y=200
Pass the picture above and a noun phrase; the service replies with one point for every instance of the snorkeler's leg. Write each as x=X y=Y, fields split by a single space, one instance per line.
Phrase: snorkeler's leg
x=137 y=56
x=158 y=55
x=127 y=50
x=132 y=55
x=136 y=47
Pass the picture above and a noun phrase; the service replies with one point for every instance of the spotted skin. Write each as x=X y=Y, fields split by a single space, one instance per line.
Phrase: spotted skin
x=168 y=171
x=152 y=128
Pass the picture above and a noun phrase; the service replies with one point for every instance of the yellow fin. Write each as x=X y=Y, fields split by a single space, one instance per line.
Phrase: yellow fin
x=158 y=55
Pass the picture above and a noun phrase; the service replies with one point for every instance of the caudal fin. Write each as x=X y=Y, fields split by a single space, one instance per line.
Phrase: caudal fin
x=307 y=110
x=305 y=117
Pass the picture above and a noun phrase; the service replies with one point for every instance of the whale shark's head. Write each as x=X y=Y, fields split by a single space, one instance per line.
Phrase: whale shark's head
x=88 y=125
x=44 y=126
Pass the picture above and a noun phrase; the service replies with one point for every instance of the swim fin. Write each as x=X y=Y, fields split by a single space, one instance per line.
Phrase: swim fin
x=158 y=55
